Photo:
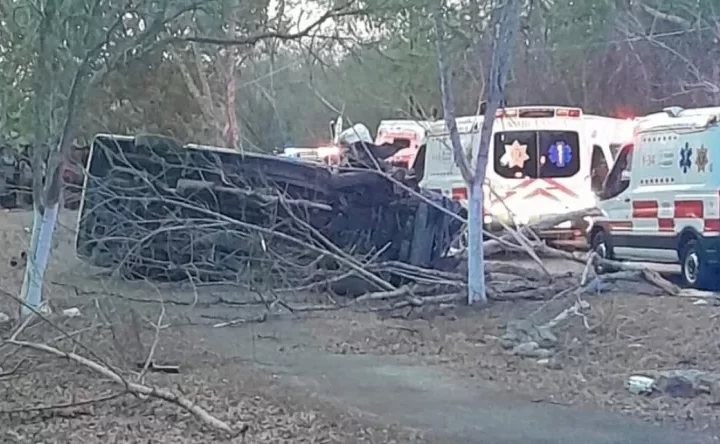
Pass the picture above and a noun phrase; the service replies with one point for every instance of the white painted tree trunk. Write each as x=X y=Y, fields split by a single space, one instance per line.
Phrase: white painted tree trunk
x=30 y=270
x=504 y=27
x=38 y=256
x=476 y=266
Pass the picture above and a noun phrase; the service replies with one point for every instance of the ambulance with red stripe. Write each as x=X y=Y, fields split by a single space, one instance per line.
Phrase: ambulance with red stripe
x=660 y=202
x=543 y=160
x=408 y=135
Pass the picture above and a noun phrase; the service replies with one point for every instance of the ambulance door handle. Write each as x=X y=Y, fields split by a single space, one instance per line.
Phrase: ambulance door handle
x=627 y=200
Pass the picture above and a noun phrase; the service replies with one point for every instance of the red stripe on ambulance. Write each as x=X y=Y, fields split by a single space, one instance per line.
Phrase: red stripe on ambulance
x=666 y=225
x=689 y=209
x=515 y=189
x=541 y=192
x=620 y=225
x=555 y=185
x=712 y=225
x=645 y=209
x=459 y=193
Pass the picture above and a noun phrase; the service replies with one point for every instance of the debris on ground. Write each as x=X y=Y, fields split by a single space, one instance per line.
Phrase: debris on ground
x=527 y=339
x=640 y=385
x=681 y=383
x=72 y=312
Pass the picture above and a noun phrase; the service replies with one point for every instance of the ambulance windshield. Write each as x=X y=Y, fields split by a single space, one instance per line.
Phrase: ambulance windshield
x=536 y=154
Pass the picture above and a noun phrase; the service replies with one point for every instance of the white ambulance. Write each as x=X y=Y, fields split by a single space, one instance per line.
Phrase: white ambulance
x=408 y=135
x=543 y=160
x=660 y=201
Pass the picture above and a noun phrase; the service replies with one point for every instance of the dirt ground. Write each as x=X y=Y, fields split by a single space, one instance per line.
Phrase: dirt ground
x=623 y=333
x=236 y=390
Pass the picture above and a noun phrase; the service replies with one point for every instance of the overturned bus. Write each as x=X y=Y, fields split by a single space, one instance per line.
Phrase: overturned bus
x=158 y=208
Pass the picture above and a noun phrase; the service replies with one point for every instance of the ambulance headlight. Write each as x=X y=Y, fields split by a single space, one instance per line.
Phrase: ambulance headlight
x=487 y=220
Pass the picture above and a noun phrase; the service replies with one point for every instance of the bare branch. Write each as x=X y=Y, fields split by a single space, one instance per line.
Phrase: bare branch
x=336 y=12
x=449 y=100
x=133 y=387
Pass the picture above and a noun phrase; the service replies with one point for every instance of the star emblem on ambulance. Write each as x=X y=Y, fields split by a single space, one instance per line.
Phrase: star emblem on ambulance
x=701 y=160
x=515 y=155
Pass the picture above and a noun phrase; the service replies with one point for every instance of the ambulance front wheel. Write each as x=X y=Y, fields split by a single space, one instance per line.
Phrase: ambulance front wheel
x=695 y=273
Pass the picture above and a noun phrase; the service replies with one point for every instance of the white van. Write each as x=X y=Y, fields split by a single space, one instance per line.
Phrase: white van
x=660 y=201
x=543 y=160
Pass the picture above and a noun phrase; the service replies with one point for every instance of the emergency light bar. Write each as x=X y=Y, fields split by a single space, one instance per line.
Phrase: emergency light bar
x=538 y=112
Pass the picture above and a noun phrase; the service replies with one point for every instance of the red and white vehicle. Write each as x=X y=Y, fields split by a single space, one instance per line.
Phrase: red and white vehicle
x=543 y=160
x=661 y=201
x=408 y=135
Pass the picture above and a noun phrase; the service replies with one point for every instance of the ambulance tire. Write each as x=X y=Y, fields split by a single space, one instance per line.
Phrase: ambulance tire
x=693 y=271
x=600 y=246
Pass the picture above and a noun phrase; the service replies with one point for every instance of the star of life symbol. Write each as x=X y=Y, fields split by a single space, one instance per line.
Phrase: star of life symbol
x=685 y=158
x=560 y=154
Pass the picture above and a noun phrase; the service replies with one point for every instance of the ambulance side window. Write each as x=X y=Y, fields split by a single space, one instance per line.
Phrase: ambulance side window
x=617 y=182
x=598 y=169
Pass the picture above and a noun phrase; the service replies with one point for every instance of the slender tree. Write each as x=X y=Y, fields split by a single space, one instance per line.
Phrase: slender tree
x=69 y=49
x=504 y=27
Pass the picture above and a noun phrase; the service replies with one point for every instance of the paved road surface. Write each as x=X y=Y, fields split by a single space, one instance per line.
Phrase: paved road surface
x=430 y=399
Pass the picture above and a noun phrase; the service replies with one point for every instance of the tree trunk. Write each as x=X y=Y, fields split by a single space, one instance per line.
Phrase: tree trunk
x=39 y=255
x=504 y=29
x=231 y=134
x=476 y=266
x=30 y=278
x=45 y=212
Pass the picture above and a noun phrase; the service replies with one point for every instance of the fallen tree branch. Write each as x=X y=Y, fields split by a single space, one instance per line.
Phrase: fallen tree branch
x=132 y=387
x=156 y=339
x=519 y=236
x=242 y=321
x=492 y=246
x=515 y=269
x=574 y=309
x=13 y=370
x=650 y=276
x=586 y=270
x=65 y=405
x=405 y=290
x=426 y=300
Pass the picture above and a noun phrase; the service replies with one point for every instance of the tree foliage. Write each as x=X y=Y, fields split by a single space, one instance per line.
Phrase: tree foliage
x=608 y=56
